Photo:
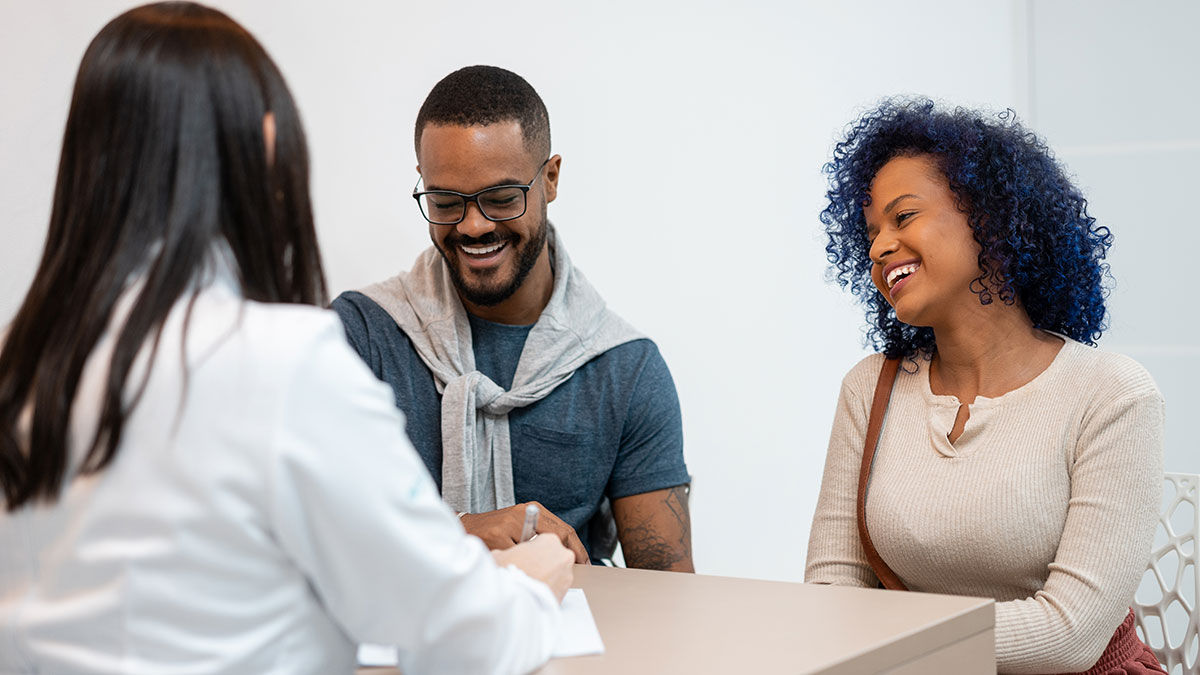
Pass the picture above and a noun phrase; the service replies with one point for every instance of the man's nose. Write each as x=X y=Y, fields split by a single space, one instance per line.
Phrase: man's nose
x=474 y=223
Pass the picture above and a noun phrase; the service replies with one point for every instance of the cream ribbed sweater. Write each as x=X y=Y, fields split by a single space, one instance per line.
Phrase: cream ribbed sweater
x=1047 y=502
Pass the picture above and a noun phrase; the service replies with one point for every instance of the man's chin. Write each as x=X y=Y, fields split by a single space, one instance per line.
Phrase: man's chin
x=485 y=297
x=484 y=289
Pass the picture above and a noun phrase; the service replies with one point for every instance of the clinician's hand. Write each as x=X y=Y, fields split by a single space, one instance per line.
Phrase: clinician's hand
x=502 y=529
x=544 y=559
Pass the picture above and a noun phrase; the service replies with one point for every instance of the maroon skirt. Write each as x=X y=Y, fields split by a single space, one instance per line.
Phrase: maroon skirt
x=1126 y=654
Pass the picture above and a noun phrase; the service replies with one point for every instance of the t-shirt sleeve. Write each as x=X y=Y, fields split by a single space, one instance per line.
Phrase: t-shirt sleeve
x=354 y=322
x=353 y=507
x=651 y=452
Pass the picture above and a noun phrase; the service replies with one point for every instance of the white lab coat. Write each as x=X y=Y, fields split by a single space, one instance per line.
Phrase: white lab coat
x=265 y=523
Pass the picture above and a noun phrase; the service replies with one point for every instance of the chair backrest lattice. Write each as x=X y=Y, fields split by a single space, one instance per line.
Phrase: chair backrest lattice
x=1166 y=603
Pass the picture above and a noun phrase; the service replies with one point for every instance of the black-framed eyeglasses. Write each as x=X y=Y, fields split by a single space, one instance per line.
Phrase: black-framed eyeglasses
x=497 y=203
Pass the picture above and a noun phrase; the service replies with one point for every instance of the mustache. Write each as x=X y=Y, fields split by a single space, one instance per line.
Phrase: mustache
x=456 y=239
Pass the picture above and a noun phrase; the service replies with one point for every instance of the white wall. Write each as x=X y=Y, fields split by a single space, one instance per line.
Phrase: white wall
x=662 y=112
x=1115 y=89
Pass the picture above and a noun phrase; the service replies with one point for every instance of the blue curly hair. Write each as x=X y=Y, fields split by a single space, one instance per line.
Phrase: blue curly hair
x=1039 y=245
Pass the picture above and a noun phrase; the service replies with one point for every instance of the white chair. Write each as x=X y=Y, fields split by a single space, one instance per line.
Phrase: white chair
x=1166 y=603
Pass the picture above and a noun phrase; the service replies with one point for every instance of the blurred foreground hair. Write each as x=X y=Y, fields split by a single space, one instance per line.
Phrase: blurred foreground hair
x=164 y=165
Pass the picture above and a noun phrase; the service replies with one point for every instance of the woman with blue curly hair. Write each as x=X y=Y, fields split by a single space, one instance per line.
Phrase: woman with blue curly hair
x=1016 y=461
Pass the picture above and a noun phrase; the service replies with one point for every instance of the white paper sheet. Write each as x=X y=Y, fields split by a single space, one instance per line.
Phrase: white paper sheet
x=378 y=655
x=577 y=635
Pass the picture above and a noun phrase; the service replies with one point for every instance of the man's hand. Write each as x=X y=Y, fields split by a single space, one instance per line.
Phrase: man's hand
x=544 y=559
x=502 y=529
x=655 y=529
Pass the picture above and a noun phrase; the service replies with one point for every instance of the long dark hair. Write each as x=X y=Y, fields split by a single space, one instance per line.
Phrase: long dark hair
x=163 y=159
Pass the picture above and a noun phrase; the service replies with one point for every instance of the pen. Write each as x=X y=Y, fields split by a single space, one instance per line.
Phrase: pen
x=529 y=529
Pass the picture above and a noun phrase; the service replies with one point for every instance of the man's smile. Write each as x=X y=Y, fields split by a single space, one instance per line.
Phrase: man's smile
x=483 y=255
x=481 y=250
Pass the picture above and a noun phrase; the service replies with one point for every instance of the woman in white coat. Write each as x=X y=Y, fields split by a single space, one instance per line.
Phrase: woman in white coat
x=199 y=475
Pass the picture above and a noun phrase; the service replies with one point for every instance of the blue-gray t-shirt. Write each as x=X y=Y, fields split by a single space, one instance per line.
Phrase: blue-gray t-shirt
x=612 y=430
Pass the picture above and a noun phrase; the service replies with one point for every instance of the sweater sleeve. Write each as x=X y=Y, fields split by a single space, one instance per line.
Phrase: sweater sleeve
x=353 y=507
x=835 y=552
x=1116 y=487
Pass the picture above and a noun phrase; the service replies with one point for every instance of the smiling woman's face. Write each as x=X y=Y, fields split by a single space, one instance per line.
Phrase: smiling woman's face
x=924 y=253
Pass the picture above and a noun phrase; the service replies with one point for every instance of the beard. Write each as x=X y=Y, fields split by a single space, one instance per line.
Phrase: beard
x=487 y=289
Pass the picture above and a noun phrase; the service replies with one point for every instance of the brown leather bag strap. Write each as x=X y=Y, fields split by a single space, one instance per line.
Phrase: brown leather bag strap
x=883 y=392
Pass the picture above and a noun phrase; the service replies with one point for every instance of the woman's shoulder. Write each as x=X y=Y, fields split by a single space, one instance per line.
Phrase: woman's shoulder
x=269 y=341
x=860 y=380
x=1108 y=372
x=308 y=342
x=1109 y=375
x=867 y=366
x=865 y=373
x=292 y=325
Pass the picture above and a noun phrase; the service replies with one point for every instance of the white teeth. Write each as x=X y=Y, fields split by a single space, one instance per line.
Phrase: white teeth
x=903 y=270
x=481 y=250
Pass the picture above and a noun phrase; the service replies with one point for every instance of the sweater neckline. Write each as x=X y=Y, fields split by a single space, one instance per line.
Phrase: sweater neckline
x=1068 y=349
x=943 y=408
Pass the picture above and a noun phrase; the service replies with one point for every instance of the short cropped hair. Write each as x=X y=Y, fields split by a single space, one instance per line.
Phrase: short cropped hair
x=482 y=95
x=1039 y=244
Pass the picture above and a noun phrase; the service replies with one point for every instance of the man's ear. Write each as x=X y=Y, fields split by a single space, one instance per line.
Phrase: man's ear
x=552 y=168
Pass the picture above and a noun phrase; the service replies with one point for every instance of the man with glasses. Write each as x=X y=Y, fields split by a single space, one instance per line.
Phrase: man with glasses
x=517 y=383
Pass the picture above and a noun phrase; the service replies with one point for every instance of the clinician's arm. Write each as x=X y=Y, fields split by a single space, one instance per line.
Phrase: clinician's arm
x=354 y=507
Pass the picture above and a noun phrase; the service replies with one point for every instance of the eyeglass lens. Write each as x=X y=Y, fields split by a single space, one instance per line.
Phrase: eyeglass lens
x=502 y=203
